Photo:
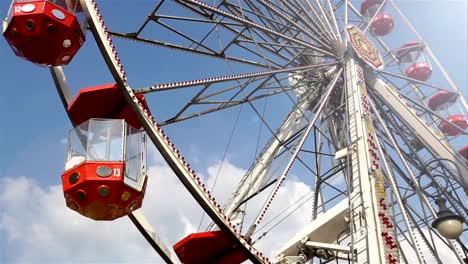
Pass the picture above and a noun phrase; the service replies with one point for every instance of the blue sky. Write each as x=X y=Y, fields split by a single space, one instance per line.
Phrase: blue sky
x=34 y=122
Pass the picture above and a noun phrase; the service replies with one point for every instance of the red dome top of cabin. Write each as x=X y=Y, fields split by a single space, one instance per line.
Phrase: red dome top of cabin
x=104 y=101
x=442 y=100
x=449 y=129
x=464 y=152
x=408 y=48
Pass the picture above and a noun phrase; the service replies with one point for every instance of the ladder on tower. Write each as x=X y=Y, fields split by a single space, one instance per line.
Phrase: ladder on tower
x=357 y=220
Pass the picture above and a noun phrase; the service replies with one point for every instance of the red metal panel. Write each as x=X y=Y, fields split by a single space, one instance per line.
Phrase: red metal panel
x=209 y=247
x=82 y=194
x=103 y=101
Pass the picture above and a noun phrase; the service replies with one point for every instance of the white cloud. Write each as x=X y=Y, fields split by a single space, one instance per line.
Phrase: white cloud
x=37 y=221
x=445 y=254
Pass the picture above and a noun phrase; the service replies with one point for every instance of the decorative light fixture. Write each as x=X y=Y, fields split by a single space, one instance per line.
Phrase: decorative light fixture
x=447 y=223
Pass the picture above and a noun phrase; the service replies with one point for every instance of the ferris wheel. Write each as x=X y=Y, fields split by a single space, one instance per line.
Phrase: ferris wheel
x=347 y=98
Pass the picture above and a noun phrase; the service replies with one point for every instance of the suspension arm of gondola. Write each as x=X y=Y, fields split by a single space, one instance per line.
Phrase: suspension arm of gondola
x=152 y=237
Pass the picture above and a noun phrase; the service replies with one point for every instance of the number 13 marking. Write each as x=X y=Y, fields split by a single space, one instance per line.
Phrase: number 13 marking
x=116 y=172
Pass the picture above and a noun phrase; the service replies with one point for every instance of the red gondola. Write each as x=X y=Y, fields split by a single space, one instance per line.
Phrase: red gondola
x=442 y=100
x=105 y=170
x=209 y=247
x=457 y=120
x=420 y=71
x=464 y=152
x=382 y=24
x=411 y=56
x=45 y=32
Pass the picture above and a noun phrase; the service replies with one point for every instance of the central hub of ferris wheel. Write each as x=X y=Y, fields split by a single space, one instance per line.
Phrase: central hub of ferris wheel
x=364 y=48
